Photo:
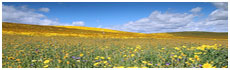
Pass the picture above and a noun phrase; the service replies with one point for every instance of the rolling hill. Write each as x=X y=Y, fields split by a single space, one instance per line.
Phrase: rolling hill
x=195 y=34
x=80 y=31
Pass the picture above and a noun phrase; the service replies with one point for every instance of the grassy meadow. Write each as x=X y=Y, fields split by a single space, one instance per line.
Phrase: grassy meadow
x=34 y=46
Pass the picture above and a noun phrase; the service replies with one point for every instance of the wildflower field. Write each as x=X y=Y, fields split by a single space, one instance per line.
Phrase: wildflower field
x=33 y=46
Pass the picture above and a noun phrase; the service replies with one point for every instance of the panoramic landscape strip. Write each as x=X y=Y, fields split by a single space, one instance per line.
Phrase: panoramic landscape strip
x=115 y=35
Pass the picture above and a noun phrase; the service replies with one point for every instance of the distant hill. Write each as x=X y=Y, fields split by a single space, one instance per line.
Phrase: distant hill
x=195 y=34
x=80 y=31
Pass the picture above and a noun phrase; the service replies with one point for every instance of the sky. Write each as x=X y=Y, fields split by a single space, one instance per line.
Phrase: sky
x=142 y=17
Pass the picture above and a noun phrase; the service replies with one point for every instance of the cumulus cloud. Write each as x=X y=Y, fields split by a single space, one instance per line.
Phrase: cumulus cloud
x=158 y=22
x=23 y=14
x=221 y=5
x=221 y=13
x=78 y=23
x=173 y=22
x=218 y=19
x=44 y=9
x=196 y=10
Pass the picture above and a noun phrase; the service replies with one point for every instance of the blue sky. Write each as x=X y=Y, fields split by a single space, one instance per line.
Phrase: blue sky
x=118 y=15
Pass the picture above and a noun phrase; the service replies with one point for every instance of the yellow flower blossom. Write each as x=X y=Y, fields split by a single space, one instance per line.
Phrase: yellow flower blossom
x=124 y=55
x=177 y=48
x=175 y=56
x=102 y=57
x=11 y=58
x=180 y=57
x=105 y=62
x=46 y=66
x=17 y=59
x=184 y=46
x=144 y=62
x=149 y=64
x=81 y=54
x=207 y=65
x=67 y=62
x=196 y=57
x=196 y=53
x=96 y=58
x=132 y=55
x=46 y=61
x=108 y=58
x=95 y=64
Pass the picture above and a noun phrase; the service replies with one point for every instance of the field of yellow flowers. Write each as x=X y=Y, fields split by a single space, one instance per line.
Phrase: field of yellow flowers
x=23 y=47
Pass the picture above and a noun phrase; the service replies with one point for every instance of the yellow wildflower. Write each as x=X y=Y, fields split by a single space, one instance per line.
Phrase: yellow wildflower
x=175 y=56
x=10 y=67
x=144 y=62
x=177 y=48
x=95 y=64
x=197 y=57
x=46 y=66
x=184 y=46
x=180 y=57
x=225 y=67
x=149 y=64
x=108 y=58
x=17 y=59
x=11 y=58
x=207 y=65
x=197 y=53
x=34 y=60
x=81 y=54
x=132 y=55
x=96 y=58
x=46 y=61
x=67 y=62
x=190 y=59
x=124 y=55
x=105 y=61
x=102 y=57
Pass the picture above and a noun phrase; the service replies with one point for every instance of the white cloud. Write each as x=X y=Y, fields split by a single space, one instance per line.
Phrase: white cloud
x=25 y=15
x=78 y=23
x=218 y=19
x=44 y=9
x=221 y=13
x=221 y=5
x=22 y=15
x=174 y=22
x=196 y=10
x=157 y=22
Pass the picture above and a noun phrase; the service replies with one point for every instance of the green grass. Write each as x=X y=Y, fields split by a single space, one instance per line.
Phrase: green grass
x=28 y=48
